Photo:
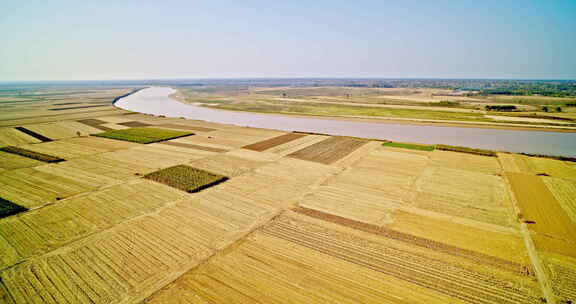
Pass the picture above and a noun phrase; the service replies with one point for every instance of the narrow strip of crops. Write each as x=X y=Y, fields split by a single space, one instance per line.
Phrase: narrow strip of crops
x=273 y=142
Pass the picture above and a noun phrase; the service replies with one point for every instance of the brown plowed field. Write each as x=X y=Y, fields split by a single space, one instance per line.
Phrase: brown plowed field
x=273 y=142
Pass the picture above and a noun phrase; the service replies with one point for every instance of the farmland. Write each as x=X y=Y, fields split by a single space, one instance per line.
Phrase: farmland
x=141 y=211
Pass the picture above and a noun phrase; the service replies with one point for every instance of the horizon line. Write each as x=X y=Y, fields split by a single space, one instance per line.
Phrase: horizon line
x=286 y=78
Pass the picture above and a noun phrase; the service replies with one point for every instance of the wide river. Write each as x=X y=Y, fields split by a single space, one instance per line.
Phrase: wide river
x=155 y=101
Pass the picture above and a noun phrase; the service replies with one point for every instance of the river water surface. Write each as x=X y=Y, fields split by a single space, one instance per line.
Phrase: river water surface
x=155 y=101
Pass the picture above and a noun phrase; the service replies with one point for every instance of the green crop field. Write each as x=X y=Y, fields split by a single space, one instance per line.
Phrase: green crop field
x=8 y=208
x=409 y=146
x=144 y=135
x=186 y=178
x=31 y=154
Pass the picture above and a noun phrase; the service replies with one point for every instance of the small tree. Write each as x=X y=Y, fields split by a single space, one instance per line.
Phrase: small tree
x=545 y=109
x=558 y=109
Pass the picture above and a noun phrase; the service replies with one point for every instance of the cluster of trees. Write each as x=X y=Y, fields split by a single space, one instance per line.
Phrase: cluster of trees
x=505 y=108
x=546 y=109
x=552 y=88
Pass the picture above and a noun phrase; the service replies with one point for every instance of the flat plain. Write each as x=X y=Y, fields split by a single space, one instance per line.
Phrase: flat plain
x=302 y=218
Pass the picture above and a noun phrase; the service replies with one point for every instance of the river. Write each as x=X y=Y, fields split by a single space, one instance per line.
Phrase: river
x=156 y=100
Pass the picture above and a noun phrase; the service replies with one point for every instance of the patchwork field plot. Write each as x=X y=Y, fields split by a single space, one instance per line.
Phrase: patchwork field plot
x=30 y=187
x=100 y=143
x=329 y=150
x=476 y=196
x=227 y=165
x=105 y=167
x=186 y=178
x=150 y=158
x=64 y=129
x=10 y=161
x=144 y=135
x=515 y=163
x=352 y=202
x=13 y=137
x=63 y=149
x=396 y=162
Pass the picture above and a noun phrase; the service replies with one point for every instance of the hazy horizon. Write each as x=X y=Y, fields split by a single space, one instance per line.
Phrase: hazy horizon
x=145 y=40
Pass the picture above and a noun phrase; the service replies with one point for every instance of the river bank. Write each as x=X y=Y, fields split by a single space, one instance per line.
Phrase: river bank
x=156 y=101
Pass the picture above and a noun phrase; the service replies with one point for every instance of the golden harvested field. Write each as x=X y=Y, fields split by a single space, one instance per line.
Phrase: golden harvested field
x=9 y=161
x=302 y=218
x=465 y=161
x=539 y=206
x=515 y=163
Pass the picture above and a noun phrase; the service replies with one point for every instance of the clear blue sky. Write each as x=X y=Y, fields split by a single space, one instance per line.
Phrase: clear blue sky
x=124 y=39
